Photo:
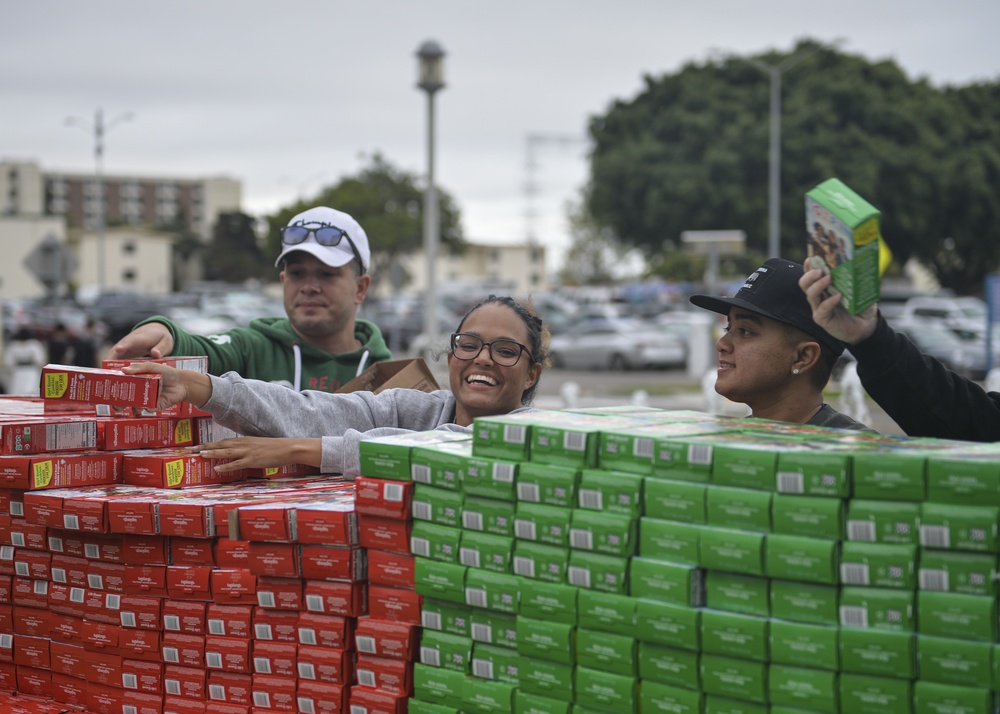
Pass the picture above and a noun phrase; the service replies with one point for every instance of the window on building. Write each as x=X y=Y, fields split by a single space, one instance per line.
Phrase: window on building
x=536 y=255
x=128 y=276
x=128 y=247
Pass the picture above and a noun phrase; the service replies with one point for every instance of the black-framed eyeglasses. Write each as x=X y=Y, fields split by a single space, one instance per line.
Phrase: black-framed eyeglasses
x=324 y=234
x=505 y=353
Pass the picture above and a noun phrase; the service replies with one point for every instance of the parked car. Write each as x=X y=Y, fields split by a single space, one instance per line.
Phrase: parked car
x=618 y=344
x=964 y=357
x=953 y=312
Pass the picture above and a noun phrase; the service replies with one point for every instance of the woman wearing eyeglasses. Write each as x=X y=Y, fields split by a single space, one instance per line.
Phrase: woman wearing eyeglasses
x=495 y=360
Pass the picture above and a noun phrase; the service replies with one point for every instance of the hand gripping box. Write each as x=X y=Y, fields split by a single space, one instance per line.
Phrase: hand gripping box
x=844 y=241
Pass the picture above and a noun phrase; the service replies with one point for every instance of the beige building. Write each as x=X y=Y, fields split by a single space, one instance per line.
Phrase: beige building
x=133 y=253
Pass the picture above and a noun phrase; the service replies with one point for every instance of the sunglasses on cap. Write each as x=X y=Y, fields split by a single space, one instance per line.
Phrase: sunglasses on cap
x=324 y=233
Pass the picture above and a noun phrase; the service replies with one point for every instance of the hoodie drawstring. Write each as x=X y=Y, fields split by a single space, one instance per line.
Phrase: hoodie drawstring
x=297 y=351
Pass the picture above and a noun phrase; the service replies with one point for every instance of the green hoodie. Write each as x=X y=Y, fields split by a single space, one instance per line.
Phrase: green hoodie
x=269 y=350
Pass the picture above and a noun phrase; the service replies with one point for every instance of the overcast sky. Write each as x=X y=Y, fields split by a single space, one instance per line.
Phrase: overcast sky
x=287 y=97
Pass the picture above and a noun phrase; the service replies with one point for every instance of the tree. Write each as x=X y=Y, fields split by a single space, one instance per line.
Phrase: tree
x=592 y=253
x=388 y=203
x=690 y=152
x=234 y=254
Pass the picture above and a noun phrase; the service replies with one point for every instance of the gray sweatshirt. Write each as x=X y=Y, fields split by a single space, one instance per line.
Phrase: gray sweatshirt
x=256 y=408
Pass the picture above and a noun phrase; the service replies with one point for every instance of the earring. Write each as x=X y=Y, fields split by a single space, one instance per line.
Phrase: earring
x=795 y=371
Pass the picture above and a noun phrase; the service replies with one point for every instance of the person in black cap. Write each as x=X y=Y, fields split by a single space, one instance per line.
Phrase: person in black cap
x=773 y=357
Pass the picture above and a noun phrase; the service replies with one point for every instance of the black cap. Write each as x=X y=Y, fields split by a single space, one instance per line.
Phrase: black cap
x=773 y=291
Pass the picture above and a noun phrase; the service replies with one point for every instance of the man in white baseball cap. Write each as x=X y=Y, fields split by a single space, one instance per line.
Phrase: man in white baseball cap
x=321 y=344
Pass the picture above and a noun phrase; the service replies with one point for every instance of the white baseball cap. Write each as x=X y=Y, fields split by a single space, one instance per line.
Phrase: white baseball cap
x=333 y=255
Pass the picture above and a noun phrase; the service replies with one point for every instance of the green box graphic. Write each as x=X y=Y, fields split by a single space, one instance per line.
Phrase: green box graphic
x=733 y=634
x=812 y=560
x=675 y=583
x=440 y=649
x=738 y=593
x=537 y=561
x=600 y=532
x=964 y=617
x=437 y=505
x=668 y=540
x=549 y=601
x=875 y=695
x=949 y=661
x=881 y=608
x=611 y=492
x=879 y=565
x=486 y=551
x=815 y=690
x=389 y=456
x=607 y=612
x=738 y=508
x=542 y=639
x=493 y=662
x=674 y=500
x=967 y=573
x=669 y=625
x=607 y=652
x=547 y=484
x=883 y=521
x=437 y=542
x=795 y=643
x=878 y=652
x=807 y=516
x=806 y=602
x=669 y=665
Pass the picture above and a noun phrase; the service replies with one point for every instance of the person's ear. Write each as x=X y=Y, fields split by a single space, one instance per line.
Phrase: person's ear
x=806 y=356
x=364 y=282
x=534 y=373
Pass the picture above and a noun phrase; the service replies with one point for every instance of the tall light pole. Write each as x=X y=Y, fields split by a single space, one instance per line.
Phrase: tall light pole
x=774 y=71
x=431 y=79
x=99 y=128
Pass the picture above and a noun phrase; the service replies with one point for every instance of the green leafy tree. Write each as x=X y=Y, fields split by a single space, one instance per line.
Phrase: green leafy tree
x=234 y=255
x=388 y=203
x=690 y=152
x=593 y=250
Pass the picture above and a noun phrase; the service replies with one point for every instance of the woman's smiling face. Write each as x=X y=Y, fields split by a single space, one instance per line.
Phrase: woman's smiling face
x=481 y=386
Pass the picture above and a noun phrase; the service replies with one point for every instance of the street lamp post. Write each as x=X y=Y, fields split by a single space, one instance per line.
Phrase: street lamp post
x=774 y=71
x=431 y=79
x=99 y=128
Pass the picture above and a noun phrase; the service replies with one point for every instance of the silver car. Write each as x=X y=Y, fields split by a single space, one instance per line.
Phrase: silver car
x=618 y=344
x=964 y=357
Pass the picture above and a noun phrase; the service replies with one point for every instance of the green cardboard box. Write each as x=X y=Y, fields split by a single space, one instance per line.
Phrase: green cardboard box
x=493 y=591
x=544 y=639
x=796 y=643
x=438 y=685
x=814 y=690
x=418 y=706
x=439 y=580
x=667 y=624
x=893 y=468
x=505 y=436
x=617 y=654
x=883 y=521
x=669 y=540
x=654 y=696
x=443 y=616
x=822 y=470
x=606 y=573
x=883 y=653
x=549 y=601
x=946 y=660
x=844 y=238
x=731 y=677
x=437 y=542
x=953 y=527
x=547 y=484
x=440 y=465
x=501 y=664
x=480 y=696
x=964 y=476
x=486 y=550
x=489 y=478
x=964 y=617
x=607 y=612
x=882 y=565
x=547 y=679
x=875 y=695
x=668 y=582
x=738 y=593
x=611 y=492
x=806 y=602
x=537 y=561
x=669 y=665
x=389 y=457
x=493 y=628
x=715 y=704
x=525 y=703
x=738 y=508
x=602 y=532
x=607 y=692
x=490 y=515
x=807 y=516
x=881 y=608
x=812 y=560
x=542 y=523
x=934 y=698
x=732 y=551
x=679 y=501
x=440 y=649
x=437 y=505
x=733 y=634
x=967 y=573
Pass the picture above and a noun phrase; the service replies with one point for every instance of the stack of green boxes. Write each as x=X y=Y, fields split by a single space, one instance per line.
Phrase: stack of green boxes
x=653 y=561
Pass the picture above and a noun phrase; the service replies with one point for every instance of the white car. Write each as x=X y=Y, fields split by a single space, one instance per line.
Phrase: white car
x=616 y=344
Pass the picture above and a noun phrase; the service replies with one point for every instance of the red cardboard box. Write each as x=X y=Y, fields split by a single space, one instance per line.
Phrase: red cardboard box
x=103 y=668
x=142 y=702
x=66 y=600
x=229 y=553
x=31 y=651
x=386 y=638
x=327 y=665
x=101 y=607
x=278 y=560
x=192 y=551
x=230 y=620
x=275 y=625
x=382 y=497
x=320 y=562
x=93 y=546
x=185 y=650
x=237 y=586
x=30 y=621
x=272 y=693
x=173 y=468
x=43 y=434
x=277 y=658
x=142 y=676
x=377 y=701
x=100 y=636
x=330 y=522
x=333 y=631
x=376 y=533
x=279 y=593
x=185 y=616
x=27 y=535
x=320 y=697
x=229 y=687
x=145 y=549
x=34 y=682
x=144 y=645
x=66 y=628
x=336 y=597
x=146 y=580
x=107 y=576
x=30 y=593
x=99 y=386
x=186 y=682
x=179 y=705
x=60 y=470
x=390 y=569
x=149 y=432
x=35 y=564
x=229 y=654
x=66 y=689
x=192 y=582
x=392 y=676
